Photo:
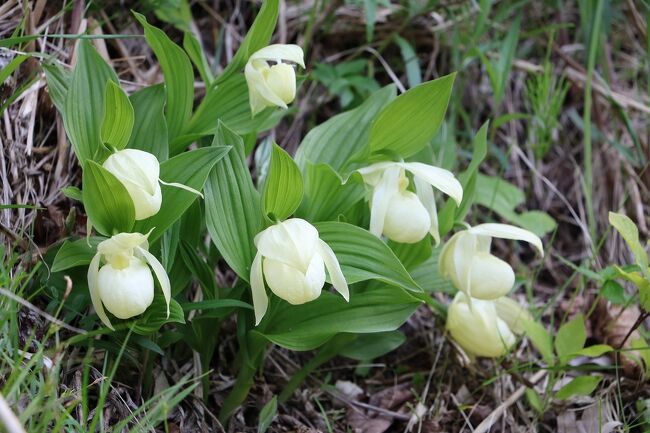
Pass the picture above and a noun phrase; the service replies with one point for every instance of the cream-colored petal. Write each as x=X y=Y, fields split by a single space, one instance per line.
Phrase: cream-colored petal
x=507 y=231
x=291 y=284
x=260 y=299
x=278 y=52
x=407 y=220
x=292 y=242
x=281 y=79
x=461 y=262
x=490 y=277
x=334 y=270
x=126 y=292
x=93 y=288
x=442 y=179
x=181 y=186
x=160 y=273
x=382 y=195
x=258 y=89
x=425 y=194
x=372 y=174
x=512 y=313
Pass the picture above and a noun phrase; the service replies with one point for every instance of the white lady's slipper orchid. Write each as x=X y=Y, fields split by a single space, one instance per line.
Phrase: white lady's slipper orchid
x=292 y=259
x=484 y=328
x=466 y=260
x=402 y=215
x=124 y=284
x=270 y=86
x=139 y=172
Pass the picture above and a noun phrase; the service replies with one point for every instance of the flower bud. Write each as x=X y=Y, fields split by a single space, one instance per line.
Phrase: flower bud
x=399 y=214
x=124 y=284
x=466 y=260
x=270 y=86
x=292 y=259
x=475 y=325
x=139 y=172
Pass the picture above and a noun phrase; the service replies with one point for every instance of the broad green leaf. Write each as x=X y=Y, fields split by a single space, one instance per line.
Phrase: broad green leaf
x=227 y=103
x=409 y=122
x=427 y=276
x=179 y=78
x=84 y=103
x=118 y=117
x=58 y=81
x=613 y=292
x=503 y=198
x=195 y=52
x=232 y=205
x=108 y=205
x=571 y=337
x=370 y=346
x=629 y=231
x=364 y=256
x=411 y=61
x=451 y=213
x=541 y=339
x=156 y=315
x=582 y=385
x=334 y=142
x=190 y=169
x=150 y=127
x=267 y=414
x=326 y=196
x=412 y=255
x=307 y=326
x=283 y=187
x=200 y=270
x=75 y=253
x=258 y=37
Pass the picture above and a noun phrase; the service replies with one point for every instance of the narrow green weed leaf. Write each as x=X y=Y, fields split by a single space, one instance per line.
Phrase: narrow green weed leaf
x=84 y=103
x=594 y=351
x=326 y=196
x=571 y=337
x=409 y=122
x=150 y=127
x=364 y=256
x=582 y=385
x=267 y=414
x=335 y=141
x=629 y=231
x=283 y=187
x=504 y=64
x=194 y=51
x=190 y=169
x=411 y=61
x=232 y=205
x=118 y=117
x=179 y=78
x=108 y=205
x=75 y=253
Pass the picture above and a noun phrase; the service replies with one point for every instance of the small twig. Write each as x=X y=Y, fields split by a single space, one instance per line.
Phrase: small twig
x=491 y=419
x=9 y=418
x=40 y=312
x=642 y=316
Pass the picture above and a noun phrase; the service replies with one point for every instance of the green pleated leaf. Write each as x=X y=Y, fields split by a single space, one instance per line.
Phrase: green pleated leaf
x=84 y=102
x=156 y=315
x=150 y=127
x=193 y=49
x=179 y=77
x=75 y=253
x=364 y=256
x=190 y=169
x=108 y=205
x=118 y=117
x=283 y=187
x=408 y=123
x=233 y=213
x=326 y=196
x=370 y=346
x=58 y=81
x=258 y=37
x=335 y=141
x=307 y=326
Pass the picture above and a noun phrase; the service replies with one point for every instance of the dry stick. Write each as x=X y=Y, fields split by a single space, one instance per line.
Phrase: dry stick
x=491 y=419
x=8 y=418
x=40 y=312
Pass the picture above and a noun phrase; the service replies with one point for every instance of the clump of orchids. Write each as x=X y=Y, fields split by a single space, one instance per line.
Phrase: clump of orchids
x=481 y=319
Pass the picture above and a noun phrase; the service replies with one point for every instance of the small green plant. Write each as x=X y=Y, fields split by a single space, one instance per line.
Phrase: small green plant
x=349 y=81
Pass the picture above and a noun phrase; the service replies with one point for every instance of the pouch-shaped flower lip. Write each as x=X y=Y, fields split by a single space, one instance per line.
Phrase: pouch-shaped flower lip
x=386 y=177
x=459 y=256
x=258 y=72
x=118 y=252
x=293 y=244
